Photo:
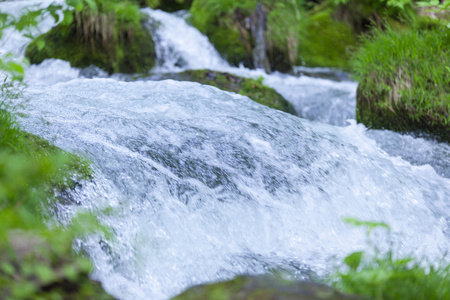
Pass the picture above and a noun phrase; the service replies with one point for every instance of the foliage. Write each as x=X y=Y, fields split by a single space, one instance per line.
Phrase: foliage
x=404 y=80
x=36 y=257
x=382 y=276
x=37 y=262
x=215 y=18
x=440 y=10
x=361 y=15
x=325 y=42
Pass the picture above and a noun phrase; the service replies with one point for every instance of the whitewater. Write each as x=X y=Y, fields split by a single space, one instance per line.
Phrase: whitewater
x=199 y=185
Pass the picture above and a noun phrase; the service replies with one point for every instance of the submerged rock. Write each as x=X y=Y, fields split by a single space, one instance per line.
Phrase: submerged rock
x=262 y=288
x=254 y=89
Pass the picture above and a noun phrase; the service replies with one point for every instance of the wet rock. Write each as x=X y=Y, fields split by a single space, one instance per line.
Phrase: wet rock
x=99 y=39
x=252 y=88
x=263 y=288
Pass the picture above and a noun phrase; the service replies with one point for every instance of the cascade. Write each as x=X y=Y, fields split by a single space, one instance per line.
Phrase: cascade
x=200 y=185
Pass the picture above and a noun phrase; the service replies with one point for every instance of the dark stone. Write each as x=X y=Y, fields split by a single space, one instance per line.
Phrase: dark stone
x=263 y=288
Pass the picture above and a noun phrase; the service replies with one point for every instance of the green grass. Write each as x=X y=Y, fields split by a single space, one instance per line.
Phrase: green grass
x=404 y=80
x=382 y=276
x=385 y=277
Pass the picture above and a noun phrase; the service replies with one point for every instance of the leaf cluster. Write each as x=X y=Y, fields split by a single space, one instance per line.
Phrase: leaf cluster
x=381 y=276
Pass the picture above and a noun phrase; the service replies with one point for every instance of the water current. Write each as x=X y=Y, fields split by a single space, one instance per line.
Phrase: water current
x=200 y=185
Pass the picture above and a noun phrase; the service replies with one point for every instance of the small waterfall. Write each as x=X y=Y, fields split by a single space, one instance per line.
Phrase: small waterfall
x=203 y=185
x=199 y=184
x=180 y=46
x=258 y=31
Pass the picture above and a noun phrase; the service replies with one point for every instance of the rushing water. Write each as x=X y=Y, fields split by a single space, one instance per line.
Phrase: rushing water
x=202 y=184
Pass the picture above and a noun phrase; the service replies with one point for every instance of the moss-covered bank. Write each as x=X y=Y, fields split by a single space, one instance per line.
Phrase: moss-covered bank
x=113 y=37
x=252 y=88
x=262 y=288
x=37 y=261
x=404 y=81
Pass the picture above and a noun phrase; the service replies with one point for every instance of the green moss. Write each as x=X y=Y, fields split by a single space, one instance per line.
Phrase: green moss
x=231 y=47
x=325 y=42
x=217 y=24
x=262 y=288
x=114 y=39
x=404 y=81
x=254 y=89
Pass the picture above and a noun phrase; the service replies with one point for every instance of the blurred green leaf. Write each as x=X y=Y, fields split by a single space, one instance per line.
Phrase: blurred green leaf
x=354 y=260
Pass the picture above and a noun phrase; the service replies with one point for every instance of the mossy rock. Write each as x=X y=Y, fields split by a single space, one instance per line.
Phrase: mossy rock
x=36 y=264
x=118 y=47
x=230 y=48
x=404 y=81
x=262 y=288
x=325 y=42
x=254 y=89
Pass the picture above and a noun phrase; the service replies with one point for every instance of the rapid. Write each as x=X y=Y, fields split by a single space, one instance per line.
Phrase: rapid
x=200 y=185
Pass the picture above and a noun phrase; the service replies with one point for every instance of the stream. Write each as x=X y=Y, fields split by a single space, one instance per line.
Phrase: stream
x=200 y=185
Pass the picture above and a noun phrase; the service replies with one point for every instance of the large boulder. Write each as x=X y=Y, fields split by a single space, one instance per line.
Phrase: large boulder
x=262 y=288
x=103 y=38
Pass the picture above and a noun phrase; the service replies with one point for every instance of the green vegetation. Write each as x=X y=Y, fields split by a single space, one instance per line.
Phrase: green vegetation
x=325 y=42
x=234 y=20
x=108 y=34
x=381 y=276
x=361 y=15
x=403 y=80
x=36 y=258
x=37 y=262
x=254 y=89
